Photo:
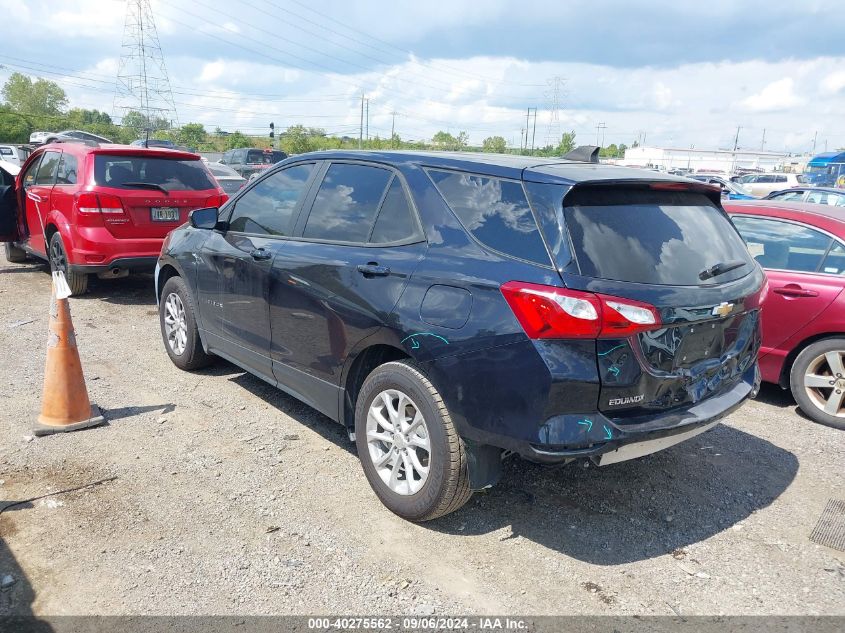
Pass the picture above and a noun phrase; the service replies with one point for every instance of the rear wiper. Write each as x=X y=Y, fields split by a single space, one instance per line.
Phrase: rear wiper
x=146 y=185
x=720 y=268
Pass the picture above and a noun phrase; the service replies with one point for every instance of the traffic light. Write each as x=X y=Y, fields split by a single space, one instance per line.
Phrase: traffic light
x=272 y=130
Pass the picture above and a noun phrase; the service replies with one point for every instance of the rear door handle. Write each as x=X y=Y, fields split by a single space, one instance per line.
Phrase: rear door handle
x=794 y=290
x=372 y=269
x=260 y=254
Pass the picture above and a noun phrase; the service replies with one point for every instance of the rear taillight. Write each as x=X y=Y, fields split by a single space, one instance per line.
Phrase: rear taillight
x=551 y=312
x=94 y=205
x=217 y=201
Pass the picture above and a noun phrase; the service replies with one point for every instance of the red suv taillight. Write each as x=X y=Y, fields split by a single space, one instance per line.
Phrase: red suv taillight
x=91 y=207
x=217 y=201
x=552 y=312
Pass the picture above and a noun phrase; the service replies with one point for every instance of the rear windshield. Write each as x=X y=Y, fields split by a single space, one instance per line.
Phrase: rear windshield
x=134 y=172
x=653 y=237
x=257 y=156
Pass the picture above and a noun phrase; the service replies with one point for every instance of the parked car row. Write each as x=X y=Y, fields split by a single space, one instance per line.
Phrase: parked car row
x=450 y=310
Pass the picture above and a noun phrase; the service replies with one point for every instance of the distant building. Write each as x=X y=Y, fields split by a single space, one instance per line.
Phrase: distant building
x=710 y=160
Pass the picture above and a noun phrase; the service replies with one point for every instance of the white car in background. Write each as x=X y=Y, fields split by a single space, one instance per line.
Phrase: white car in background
x=761 y=185
x=13 y=154
x=42 y=138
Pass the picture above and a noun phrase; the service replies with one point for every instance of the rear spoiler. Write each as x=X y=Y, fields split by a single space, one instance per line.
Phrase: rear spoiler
x=584 y=154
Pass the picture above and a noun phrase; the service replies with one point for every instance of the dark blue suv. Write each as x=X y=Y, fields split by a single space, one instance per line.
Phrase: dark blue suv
x=453 y=309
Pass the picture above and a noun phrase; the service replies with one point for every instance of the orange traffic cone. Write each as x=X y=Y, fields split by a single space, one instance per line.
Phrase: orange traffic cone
x=65 y=405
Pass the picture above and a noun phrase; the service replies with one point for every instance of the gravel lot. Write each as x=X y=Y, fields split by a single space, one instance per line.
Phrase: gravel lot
x=231 y=497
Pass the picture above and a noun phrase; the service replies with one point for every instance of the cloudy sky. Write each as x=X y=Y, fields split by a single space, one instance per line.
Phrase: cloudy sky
x=676 y=73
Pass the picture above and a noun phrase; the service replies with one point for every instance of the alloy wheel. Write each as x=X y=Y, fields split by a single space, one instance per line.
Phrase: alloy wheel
x=824 y=383
x=398 y=442
x=175 y=324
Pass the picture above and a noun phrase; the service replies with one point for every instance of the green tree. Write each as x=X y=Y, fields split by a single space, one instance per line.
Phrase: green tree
x=191 y=135
x=297 y=140
x=567 y=143
x=236 y=140
x=38 y=98
x=14 y=127
x=444 y=140
x=495 y=144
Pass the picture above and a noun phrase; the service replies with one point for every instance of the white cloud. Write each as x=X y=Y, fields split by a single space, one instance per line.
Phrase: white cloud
x=778 y=95
x=833 y=83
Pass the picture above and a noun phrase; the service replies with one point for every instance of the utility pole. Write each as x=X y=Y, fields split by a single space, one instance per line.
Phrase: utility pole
x=533 y=132
x=392 y=125
x=815 y=136
x=736 y=138
x=521 y=137
x=763 y=142
x=600 y=128
x=361 y=127
x=527 y=115
x=368 y=118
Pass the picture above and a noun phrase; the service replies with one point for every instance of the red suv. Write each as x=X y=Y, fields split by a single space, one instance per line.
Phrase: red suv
x=101 y=208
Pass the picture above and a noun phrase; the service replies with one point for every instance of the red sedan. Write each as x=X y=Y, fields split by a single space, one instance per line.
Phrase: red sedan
x=802 y=249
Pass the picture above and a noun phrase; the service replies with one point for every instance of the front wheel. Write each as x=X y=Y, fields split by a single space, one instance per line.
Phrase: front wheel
x=179 y=326
x=413 y=457
x=77 y=282
x=817 y=381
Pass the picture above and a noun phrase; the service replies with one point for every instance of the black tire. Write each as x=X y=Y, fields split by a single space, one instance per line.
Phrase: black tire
x=446 y=487
x=192 y=356
x=811 y=404
x=14 y=254
x=78 y=282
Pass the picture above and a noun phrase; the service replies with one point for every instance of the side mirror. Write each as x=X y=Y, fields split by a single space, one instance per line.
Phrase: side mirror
x=204 y=218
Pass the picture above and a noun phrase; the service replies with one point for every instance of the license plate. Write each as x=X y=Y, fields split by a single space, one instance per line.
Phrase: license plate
x=165 y=214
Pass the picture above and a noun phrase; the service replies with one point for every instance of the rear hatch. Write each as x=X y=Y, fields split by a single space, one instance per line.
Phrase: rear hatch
x=670 y=246
x=146 y=194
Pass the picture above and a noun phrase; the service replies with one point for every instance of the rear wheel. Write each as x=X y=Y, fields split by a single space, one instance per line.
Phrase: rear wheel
x=179 y=326
x=817 y=381
x=412 y=455
x=14 y=254
x=78 y=282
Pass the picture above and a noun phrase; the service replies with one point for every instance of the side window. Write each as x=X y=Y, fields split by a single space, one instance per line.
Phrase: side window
x=834 y=263
x=783 y=245
x=67 y=170
x=495 y=211
x=49 y=167
x=395 y=220
x=789 y=195
x=267 y=208
x=780 y=178
x=29 y=175
x=347 y=202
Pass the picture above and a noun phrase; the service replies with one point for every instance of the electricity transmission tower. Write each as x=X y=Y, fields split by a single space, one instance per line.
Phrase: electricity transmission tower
x=142 y=84
x=554 y=95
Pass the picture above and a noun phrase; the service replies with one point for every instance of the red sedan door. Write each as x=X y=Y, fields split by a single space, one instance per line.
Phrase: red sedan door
x=799 y=290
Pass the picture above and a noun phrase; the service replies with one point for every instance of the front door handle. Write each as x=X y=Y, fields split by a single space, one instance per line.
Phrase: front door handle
x=260 y=254
x=794 y=290
x=372 y=269
x=33 y=196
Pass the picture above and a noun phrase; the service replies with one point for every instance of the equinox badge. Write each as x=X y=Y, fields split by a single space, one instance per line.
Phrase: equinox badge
x=723 y=309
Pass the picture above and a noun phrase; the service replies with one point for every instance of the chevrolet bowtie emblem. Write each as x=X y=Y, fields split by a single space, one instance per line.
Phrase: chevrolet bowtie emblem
x=723 y=309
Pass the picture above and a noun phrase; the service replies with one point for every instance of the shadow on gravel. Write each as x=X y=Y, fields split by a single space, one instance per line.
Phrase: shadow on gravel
x=137 y=289
x=23 y=268
x=634 y=510
x=16 y=599
x=112 y=415
x=290 y=406
x=775 y=396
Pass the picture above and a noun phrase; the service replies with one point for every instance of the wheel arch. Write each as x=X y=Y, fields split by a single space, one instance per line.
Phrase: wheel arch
x=165 y=272
x=789 y=361
x=358 y=367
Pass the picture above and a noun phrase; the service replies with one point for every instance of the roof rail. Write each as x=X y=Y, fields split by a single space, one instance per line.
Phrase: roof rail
x=584 y=154
x=84 y=141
